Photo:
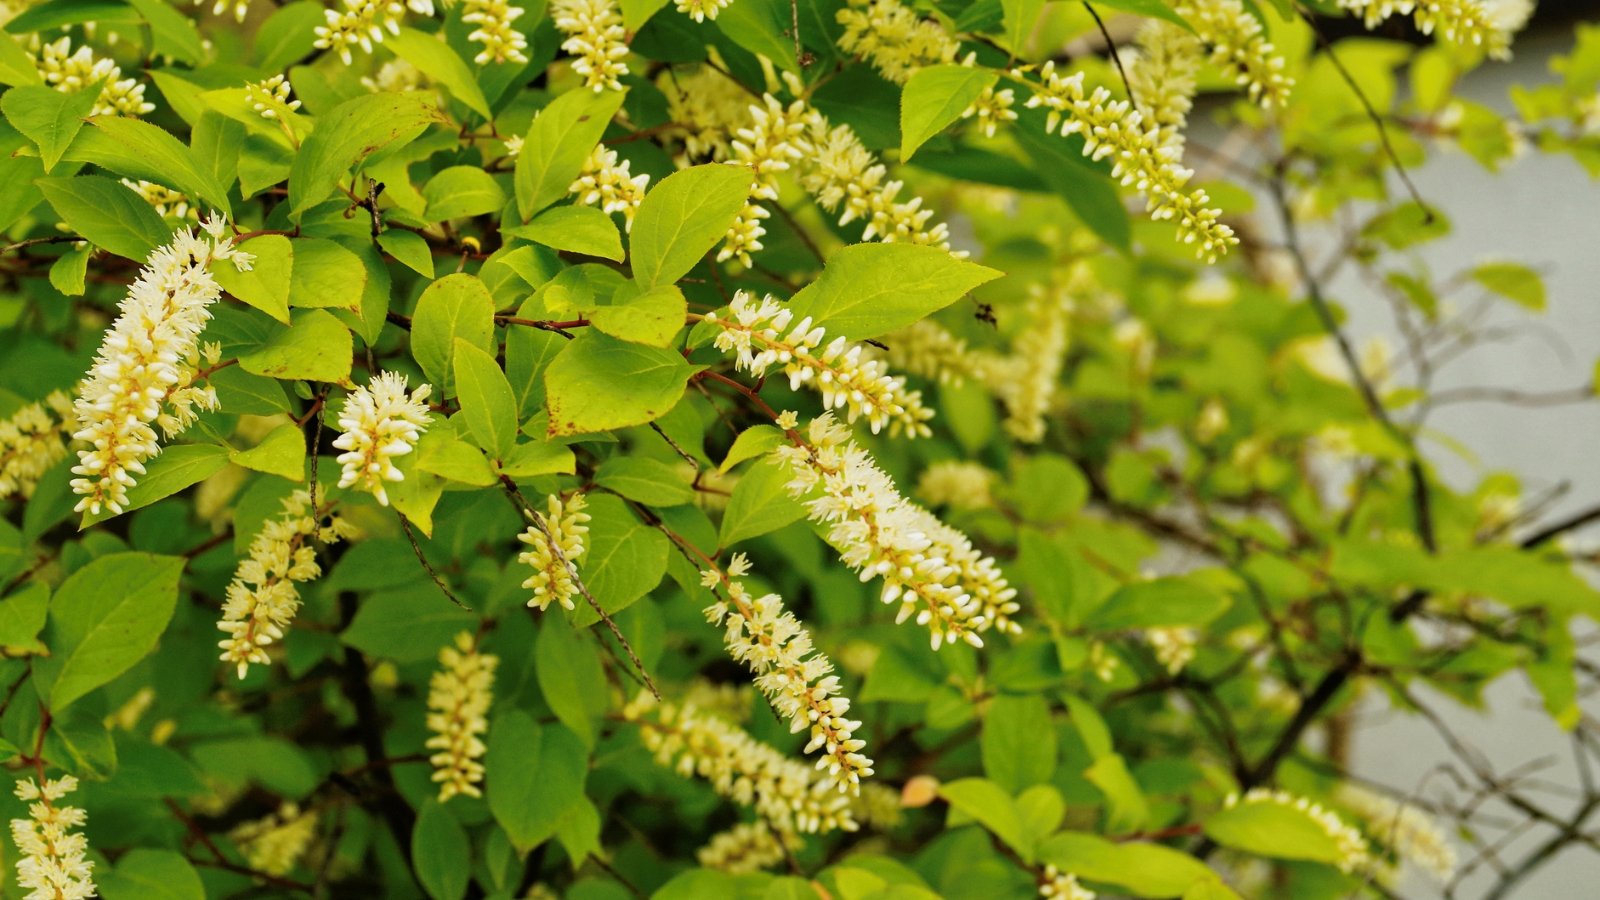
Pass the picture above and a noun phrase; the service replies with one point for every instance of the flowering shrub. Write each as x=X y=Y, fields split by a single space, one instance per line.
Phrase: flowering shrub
x=401 y=498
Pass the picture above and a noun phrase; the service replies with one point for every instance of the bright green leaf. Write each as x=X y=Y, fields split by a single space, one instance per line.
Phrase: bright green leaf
x=683 y=218
x=933 y=98
x=556 y=145
x=598 y=383
x=486 y=399
x=869 y=289
x=48 y=117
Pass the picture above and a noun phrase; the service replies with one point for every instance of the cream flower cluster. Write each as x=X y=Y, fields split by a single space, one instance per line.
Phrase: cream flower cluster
x=796 y=677
x=1174 y=646
x=396 y=75
x=168 y=203
x=992 y=107
x=491 y=21
x=1352 y=847
x=958 y=484
x=1059 y=885
x=928 y=350
x=1239 y=48
x=1467 y=22
x=1114 y=129
x=760 y=335
x=608 y=184
x=845 y=177
x=143 y=371
x=773 y=140
x=596 y=37
x=71 y=71
x=275 y=843
x=1027 y=379
x=701 y=10
x=380 y=423
x=555 y=569
x=879 y=533
x=459 y=695
x=791 y=796
x=270 y=97
x=705 y=107
x=262 y=598
x=1408 y=832
x=892 y=37
x=1163 y=71
x=747 y=847
x=362 y=23
x=52 y=866
x=877 y=807
x=31 y=441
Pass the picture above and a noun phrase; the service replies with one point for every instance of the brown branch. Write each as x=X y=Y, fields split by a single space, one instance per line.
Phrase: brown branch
x=438 y=580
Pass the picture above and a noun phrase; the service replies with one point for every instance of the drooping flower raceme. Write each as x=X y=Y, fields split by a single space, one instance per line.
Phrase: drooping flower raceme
x=760 y=336
x=796 y=677
x=168 y=203
x=262 y=598
x=360 y=23
x=1059 y=885
x=1467 y=22
x=930 y=569
x=791 y=796
x=1351 y=845
x=145 y=365
x=701 y=10
x=1114 y=129
x=845 y=177
x=380 y=423
x=52 y=864
x=1406 y=831
x=1174 y=646
x=71 y=71
x=606 y=183
x=1027 y=379
x=1163 y=72
x=555 y=567
x=773 y=139
x=958 y=484
x=459 y=695
x=596 y=37
x=746 y=847
x=274 y=844
x=492 y=27
x=31 y=441
x=928 y=350
x=892 y=37
x=1239 y=48
x=271 y=98
x=705 y=108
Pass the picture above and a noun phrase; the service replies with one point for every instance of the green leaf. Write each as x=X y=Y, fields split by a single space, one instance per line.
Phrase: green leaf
x=1019 y=18
x=486 y=399
x=175 y=469
x=22 y=617
x=174 y=34
x=455 y=306
x=347 y=135
x=1084 y=184
x=70 y=272
x=934 y=97
x=598 y=383
x=287 y=35
x=137 y=149
x=1018 y=743
x=462 y=191
x=439 y=852
x=989 y=805
x=436 y=60
x=653 y=318
x=106 y=213
x=869 y=289
x=266 y=284
x=100 y=632
x=649 y=481
x=1160 y=602
x=282 y=453
x=760 y=504
x=48 y=117
x=539 y=458
x=408 y=248
x=576 y=229
x=557 y=143
x=1272 y=829
x=406 y=625
x=762 y=27
x=146 y=874
x=625 y=560
x=571 y=677
x=455 y=460
x=535 y=775
x=682 y=218
x=315 y=347
x=325 y=275
x=752 y=442
x=637 y=12
x=1517 y=283
x=1139 y=869
x=1151 y=9
x=16 y=67
x=1127 y=810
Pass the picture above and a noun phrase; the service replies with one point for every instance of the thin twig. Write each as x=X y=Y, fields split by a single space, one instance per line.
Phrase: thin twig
x=1111 y=47
x=405 y=525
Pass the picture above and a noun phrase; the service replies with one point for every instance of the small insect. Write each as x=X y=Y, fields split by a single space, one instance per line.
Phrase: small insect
x=985 y=313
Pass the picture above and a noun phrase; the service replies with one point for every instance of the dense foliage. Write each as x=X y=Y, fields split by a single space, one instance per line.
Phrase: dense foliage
x=747 y=448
